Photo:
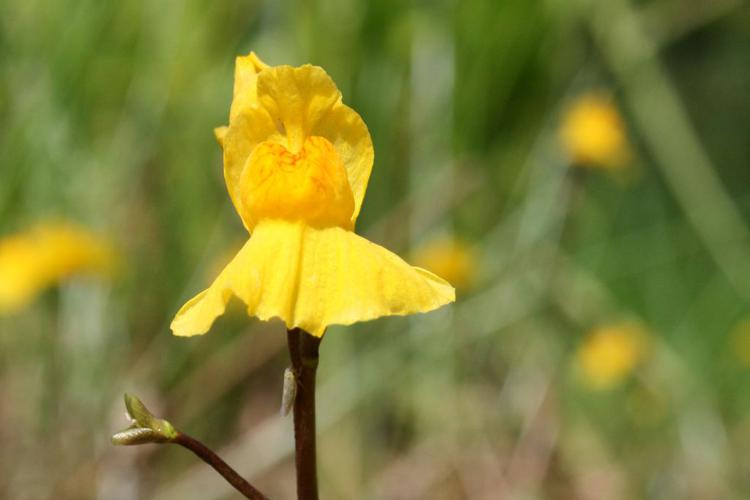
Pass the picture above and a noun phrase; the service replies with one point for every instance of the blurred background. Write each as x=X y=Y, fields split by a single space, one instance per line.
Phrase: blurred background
x=579 y=170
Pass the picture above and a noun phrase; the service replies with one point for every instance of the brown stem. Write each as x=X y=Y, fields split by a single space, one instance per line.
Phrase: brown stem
x=303 y=351
x=212 y=459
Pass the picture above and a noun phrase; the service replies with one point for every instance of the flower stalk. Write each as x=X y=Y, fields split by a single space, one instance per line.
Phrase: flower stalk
x=304 y=352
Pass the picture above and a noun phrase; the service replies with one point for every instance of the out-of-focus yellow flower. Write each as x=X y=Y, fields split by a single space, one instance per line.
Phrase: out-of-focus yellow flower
x=450 y=258
x=609 y=354
x=740 y=342
x=36 y=259
x=593 y=132
x=296 y=162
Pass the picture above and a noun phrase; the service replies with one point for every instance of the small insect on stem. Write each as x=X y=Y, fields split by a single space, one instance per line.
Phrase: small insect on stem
x=290 y=392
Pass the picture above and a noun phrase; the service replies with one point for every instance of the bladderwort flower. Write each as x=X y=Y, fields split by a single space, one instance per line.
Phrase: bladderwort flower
x=452 y=258
x=610 y=354
x=593 y=132
x=35 y=259
x=296 y=163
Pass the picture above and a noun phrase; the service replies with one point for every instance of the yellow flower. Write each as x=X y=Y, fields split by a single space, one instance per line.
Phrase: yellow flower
x=610 y=354
x=296 y=163
x=593 y=132
x=450 y=258
x=34 y=260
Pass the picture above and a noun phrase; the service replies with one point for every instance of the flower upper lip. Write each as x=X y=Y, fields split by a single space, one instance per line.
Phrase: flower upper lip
x=287 y=105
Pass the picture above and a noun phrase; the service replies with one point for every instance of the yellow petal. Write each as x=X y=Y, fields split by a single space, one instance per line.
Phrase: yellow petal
x=346 y=279
x=248 y=123
x=253 y=126
x=312 y=278
x=246 y=70
x=346 y=130
x=297 y=98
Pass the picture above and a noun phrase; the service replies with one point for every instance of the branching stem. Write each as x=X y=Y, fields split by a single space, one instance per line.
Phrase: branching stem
x=212 y=459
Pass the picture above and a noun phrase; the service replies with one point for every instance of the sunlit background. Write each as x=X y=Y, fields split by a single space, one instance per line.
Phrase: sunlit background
x=578 y=169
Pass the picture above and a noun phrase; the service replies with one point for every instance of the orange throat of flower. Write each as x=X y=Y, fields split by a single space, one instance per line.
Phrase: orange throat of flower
x=310 y=185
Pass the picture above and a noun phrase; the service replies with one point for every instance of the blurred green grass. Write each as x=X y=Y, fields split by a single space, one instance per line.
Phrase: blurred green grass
x=106 y=118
